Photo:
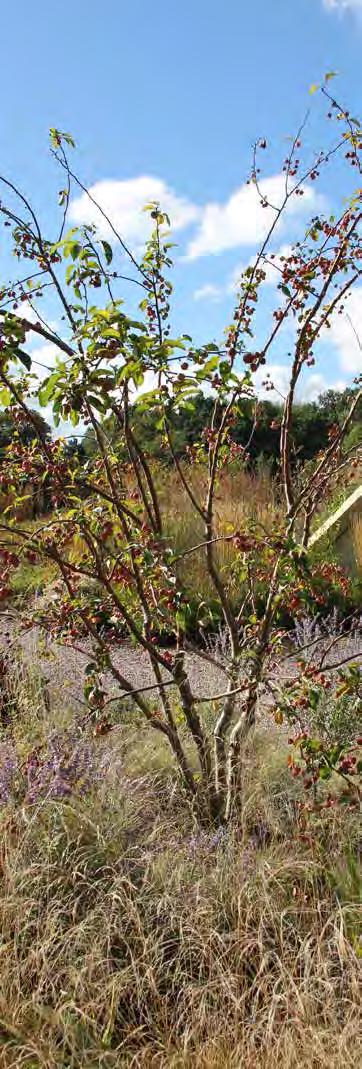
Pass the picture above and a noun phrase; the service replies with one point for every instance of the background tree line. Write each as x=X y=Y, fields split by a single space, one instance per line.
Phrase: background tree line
x=254 y=429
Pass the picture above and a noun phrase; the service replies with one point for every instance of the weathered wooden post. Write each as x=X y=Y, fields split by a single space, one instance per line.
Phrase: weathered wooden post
x=344 y=528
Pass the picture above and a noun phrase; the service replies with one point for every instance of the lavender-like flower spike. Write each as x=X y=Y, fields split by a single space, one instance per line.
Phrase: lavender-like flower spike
x=68 y=764
x=9 y=768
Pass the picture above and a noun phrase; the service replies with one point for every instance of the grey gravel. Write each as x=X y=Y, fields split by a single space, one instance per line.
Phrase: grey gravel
x=62 y=667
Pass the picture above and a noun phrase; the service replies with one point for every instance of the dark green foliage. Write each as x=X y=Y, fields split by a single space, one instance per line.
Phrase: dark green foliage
x=25 y=431
x=312 y=423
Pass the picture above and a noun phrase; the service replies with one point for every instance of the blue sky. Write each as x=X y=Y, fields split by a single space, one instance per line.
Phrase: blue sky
x=177 y=93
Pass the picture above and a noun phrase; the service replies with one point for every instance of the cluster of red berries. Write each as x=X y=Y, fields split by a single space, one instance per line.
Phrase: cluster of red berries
x=243 y=542
x=254 y=360
x=347 y=765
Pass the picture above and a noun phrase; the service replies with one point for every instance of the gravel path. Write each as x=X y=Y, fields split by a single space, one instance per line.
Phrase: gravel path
x=63 y=667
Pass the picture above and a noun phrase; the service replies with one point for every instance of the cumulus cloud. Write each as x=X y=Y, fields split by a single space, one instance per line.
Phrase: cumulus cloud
x=242 y=220
x=123 y=201
x=209 y=292
x=343 y=5
x=44 y=359
x=310 y=386
x=272 y=268
x=27 y=311
x=345 y=333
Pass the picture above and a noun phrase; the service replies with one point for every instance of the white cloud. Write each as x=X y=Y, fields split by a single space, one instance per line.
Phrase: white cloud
x=209 y=292
x=26 y=311
x=242 y=220
x=310 y=386
x=278 y=375
x=44 y=359
x=343 y=5
x=345 y=333
x=272 y=268
x=123 y=201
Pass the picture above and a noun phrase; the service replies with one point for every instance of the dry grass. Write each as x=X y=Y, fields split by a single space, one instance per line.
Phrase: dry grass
x=29 y=579
x=130 y=938
x=241 y=497
x=356 y=531
x=119 y=948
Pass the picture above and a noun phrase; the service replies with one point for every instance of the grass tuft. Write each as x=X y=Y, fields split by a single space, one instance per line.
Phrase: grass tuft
x=132 y=938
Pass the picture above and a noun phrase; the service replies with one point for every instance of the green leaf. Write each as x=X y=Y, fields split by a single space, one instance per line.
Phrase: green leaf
x=5 y=397
x=24 y=358
x=107 y=251
x=68 y=139
x=74 y=249
x=46 y=390
x=54 y=137
x=96 y=403
x=111 y=332
x=57 y=136
x=329 y=75
x=210 y=365
x=138 y=377
x=173 y=343
x=69 y=273
x=312 y=745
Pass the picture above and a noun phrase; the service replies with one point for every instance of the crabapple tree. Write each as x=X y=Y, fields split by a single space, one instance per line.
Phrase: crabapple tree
x=118 y=573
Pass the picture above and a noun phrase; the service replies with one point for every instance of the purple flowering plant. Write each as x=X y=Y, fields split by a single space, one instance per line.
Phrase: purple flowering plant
x=67 y=764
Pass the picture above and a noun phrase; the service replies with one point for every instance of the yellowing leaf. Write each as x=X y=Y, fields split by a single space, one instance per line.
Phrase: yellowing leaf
x=313 y=88
x=77 y=548
x=5 y=397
